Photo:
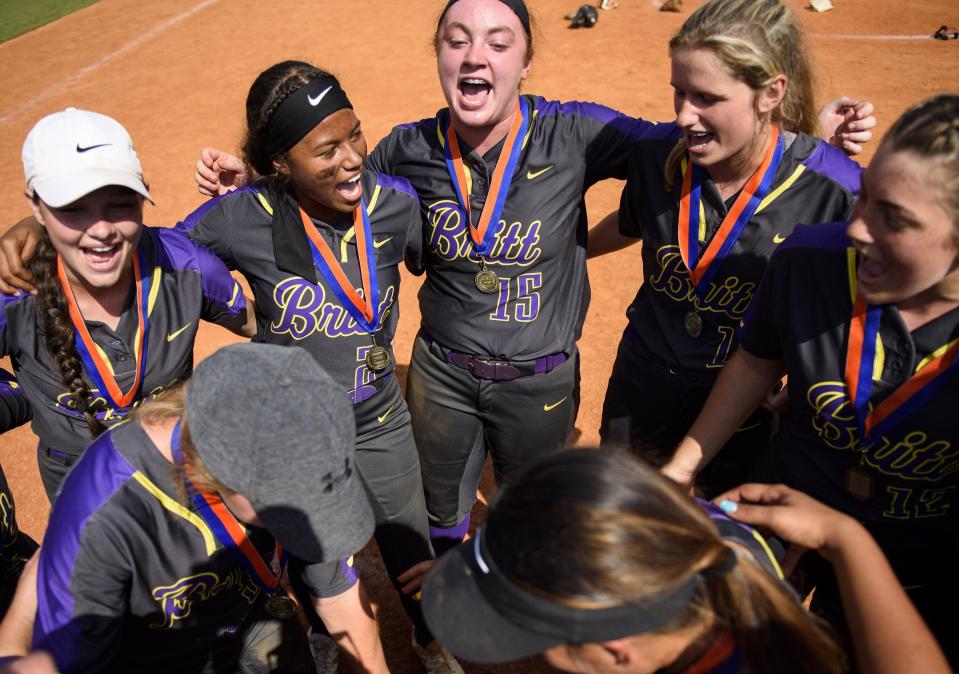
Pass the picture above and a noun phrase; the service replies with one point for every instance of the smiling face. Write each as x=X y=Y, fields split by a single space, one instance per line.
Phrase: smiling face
x=96 y=235
x=722 y=118
x=324 y=167
x=482 y=58
x=905 y=239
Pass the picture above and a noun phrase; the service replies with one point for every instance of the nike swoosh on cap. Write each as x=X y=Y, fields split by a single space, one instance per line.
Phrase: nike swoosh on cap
x=91 y=147
x=319 y=97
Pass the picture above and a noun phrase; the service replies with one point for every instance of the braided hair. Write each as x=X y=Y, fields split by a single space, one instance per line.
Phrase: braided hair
x=56 y=329
x=930 y=130
x=267 y=92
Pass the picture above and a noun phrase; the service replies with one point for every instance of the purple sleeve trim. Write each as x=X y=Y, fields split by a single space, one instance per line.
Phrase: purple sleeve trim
x=349 y=571
x=397 y=184
x=101 y=471
x=833 y=163
x=188 y=223
x=428 y=121
x=176 y=249
x=828 y=235
x=632 y=126
x=5 y=301
x=715 y=513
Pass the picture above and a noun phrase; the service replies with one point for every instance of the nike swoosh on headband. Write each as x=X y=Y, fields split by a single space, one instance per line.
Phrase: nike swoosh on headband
x=92 y=147
x=316 y=101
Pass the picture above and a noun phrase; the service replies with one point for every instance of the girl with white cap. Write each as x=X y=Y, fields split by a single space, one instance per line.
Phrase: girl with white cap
x=117 y=304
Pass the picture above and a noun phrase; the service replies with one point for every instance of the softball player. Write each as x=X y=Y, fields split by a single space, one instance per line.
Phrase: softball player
x=864 y=318
x=15 y=546
x=320 y=242
x=117 y=304
x=132 y=580
x=500 y=179
x=683 y=590
x=712 y=200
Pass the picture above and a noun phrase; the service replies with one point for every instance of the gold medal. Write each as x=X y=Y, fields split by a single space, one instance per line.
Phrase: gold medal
x=280 y=606
x=486 y=280
x=378 y=358
x=859 y=483
x=693 y=324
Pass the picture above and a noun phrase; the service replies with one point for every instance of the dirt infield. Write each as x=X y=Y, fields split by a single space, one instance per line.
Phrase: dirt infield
x=176 y=74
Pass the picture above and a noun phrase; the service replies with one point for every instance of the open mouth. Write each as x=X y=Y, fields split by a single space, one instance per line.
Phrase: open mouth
x=101 y=258
x=350 y=190
x=698 y=141
x=474 y=91
x=870 y=271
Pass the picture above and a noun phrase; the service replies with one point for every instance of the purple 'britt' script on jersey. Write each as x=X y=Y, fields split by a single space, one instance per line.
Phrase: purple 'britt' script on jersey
x=130 y=580
x=301 y=309
x=539 y=249
x=191 y=285
x=815 y=182
x=801 y=315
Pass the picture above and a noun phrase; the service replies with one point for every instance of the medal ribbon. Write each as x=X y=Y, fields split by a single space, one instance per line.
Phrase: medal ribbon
x=365 y=310
x=701 y=271
x=483 y=235
x=860 y=365
x=96 y=364
x=227 y=529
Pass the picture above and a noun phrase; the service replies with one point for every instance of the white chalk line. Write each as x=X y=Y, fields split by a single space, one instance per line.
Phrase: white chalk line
x=73 y=79
x=879 y=38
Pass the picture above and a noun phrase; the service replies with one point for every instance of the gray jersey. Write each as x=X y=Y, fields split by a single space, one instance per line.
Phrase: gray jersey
x=295 y=304
x=189 y=284
x=130 y=579
x=815 y=182
x=539 y=252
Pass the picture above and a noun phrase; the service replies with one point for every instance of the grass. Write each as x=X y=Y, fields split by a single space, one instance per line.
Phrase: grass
x=20 y=16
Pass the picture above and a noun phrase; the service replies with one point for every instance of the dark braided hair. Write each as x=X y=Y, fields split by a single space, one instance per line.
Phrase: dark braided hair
x=267 y=92
x=53 y=318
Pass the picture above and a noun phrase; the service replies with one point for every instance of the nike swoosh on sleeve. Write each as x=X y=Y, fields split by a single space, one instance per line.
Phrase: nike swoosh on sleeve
x=173 y=335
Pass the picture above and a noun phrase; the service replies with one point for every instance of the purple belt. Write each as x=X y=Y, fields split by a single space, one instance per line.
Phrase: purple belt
x=494 y=369
x=367 y=391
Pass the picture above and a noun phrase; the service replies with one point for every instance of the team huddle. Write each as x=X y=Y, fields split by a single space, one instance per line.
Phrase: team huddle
x=790 y=356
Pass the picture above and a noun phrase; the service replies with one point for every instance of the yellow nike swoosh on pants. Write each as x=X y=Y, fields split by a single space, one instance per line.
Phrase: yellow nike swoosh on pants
x=382 y=418
x=547 y=408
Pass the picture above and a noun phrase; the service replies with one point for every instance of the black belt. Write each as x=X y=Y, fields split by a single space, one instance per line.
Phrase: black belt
x=495 y=369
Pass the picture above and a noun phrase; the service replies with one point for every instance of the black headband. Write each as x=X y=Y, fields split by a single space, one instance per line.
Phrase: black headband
x=568 y=624
x=301 y=111
x=518 y=7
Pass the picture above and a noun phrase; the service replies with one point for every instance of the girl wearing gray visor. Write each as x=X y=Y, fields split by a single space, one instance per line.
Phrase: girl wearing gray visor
x=625 y=574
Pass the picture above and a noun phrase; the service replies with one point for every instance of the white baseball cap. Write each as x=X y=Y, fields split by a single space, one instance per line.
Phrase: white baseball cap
x=71 y=153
